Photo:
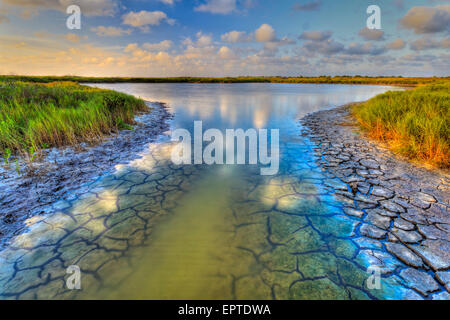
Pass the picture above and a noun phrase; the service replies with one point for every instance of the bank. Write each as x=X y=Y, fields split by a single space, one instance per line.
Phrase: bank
x=402 y=207
x=38 y=170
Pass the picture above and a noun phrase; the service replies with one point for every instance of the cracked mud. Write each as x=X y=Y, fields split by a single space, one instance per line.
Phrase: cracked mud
x=403 y=209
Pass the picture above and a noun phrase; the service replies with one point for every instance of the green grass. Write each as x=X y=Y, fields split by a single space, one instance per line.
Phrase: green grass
x=414 y=123
x=35 y=116
x=322 y=79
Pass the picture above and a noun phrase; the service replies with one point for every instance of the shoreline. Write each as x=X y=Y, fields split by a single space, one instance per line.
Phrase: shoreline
x=63 y=170
x=349 y=80
x=403 y=209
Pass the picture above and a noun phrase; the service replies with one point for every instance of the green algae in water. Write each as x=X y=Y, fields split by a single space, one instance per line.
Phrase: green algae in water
x=185 y=255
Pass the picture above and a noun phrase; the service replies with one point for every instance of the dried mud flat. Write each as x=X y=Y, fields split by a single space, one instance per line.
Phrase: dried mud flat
x=62 y=171
x=403 y=208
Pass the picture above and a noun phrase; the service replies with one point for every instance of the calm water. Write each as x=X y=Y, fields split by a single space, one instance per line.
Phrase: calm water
x=160 y=231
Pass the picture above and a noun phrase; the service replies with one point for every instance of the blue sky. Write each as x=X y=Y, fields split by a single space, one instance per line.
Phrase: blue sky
x=225 y=38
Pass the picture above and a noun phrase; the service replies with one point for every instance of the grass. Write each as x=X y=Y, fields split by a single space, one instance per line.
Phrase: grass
x=413 y=123
x=35 y=116
x=322 y=79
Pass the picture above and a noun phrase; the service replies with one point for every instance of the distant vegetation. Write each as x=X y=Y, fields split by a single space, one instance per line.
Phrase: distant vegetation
x=323 y=79
x=35 y=116
x=414 y=123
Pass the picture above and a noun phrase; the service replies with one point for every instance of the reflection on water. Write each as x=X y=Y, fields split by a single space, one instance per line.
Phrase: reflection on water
x=160 y=231
x=246 y=105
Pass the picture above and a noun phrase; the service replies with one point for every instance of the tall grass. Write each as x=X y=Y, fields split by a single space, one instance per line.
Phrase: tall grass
x=35 y=116
x=414 y=123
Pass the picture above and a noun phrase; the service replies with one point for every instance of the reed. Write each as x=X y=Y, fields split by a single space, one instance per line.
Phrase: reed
x=414 y=123
x=34 y=116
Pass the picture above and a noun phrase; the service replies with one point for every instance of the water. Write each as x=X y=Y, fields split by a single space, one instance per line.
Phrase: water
x=153 y=230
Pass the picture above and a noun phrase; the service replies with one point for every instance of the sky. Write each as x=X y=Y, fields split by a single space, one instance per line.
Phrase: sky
x=162 y=38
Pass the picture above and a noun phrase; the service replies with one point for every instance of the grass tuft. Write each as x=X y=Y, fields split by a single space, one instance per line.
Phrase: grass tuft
x=414 y=123
x=34 y=116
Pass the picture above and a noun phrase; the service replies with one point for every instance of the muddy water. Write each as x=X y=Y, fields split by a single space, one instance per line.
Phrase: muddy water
x=154 y=230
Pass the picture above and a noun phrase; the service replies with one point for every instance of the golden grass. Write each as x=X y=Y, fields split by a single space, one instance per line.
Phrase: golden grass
x=413 y=123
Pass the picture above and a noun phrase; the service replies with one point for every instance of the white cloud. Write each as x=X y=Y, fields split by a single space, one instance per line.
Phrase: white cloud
x=203 y=40
x=136 y=52
x=236 y=37
x=273 y=46
x=265 y=33
x=110 y=31
x=316 y=35
x=72 y=37
x=372 y=34
x=445 y=43
x=285 y=41
x=131 y=47
x=326 y=47
x=427 y=19
x=426 y=43
x=366 y=48
x=226 y=53
x=161 y=46
x=169 y=2
x=35 y=56
x=143 y=19
x=217 y=6
x=396 y=44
